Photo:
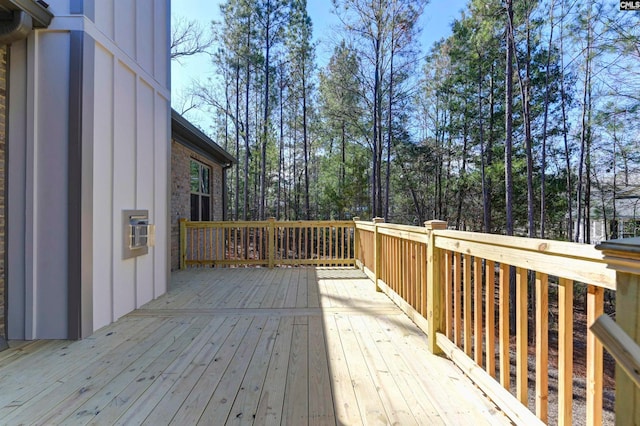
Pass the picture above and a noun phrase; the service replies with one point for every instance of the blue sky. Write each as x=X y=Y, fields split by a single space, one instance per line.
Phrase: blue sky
x=436 y=24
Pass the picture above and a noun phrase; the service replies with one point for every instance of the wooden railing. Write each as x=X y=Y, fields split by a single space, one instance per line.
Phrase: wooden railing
x=266 y=243
x=455 y=285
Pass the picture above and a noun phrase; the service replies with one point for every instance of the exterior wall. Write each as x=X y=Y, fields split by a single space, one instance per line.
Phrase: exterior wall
x=3 y=103
x=89 y=134
x=37 y=184
x=181 y=192
x=131 y=133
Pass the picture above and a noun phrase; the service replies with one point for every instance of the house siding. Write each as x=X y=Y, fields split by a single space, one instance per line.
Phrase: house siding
x=181 y=190
x=88 y=137
x=3 y=105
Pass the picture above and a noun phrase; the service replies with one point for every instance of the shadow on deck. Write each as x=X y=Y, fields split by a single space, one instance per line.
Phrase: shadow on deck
x=285 y=346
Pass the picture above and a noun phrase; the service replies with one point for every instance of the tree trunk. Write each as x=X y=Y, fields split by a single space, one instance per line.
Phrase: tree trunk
x=305 y=143
x=376 y=106
x=587 y=167
x=485 y=194
x=237 y=174
x=389 y=134
x=508 y=178
x=265 y=118
x=565 y=132
x=489 y=187
x=543 y=165
x=526 y=117
x=343 y=165
x=247 y=153
x=281 y=144
x=463 y=172
x=583 y=137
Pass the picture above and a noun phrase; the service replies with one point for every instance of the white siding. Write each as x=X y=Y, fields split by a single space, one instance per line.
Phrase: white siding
x=159 y=215
x=124 y=186
x=16 y=191
x=50 y=186
x=128 y=126
x=161 y=42
x=145 y=184
x=105 y=22
x=144 y=33
x=103 y=220
x=137 y=176
x=125 y=12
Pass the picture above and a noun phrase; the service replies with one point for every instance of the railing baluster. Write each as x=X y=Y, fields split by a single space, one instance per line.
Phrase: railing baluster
x=448 y=296
x=330 y=242
x=192 y=235
x=412 y=269
x=490 y=319
x=421 y=266
x=457 y=314
x=401 y=265
x=542 y=346
x=503 y=326
x=317 y=246
x=415 y=268
x=477 y=310
x=595 y=308
x=521 y=334
x=206 y=243
x=467 y=304
x=565 y=351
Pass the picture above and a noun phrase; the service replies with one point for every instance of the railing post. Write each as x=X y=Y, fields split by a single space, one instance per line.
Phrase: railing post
x=271 y=238
x=356 y=241
x=377 y=251
x=623 y=256
x=183 y=243
x=435 y=284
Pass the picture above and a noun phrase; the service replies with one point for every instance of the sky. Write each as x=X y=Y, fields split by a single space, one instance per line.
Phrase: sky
x=436 y=24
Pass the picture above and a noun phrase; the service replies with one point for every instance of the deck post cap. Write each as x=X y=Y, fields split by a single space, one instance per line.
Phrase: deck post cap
x=622 y=254
x=435 y=224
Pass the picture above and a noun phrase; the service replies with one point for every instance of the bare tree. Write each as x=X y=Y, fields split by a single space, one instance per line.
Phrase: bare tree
x=188 y=38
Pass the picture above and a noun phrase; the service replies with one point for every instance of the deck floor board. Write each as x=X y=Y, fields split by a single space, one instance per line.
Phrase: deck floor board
x=246 y=346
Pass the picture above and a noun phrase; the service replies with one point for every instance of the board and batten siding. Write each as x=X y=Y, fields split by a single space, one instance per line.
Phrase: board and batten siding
x=3 y=191
x=120 y=51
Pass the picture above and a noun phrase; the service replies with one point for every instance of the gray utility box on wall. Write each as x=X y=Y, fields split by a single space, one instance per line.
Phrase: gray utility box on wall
x=138 y=234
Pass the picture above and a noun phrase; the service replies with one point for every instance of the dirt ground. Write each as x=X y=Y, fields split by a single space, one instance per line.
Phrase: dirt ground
x=579 y=369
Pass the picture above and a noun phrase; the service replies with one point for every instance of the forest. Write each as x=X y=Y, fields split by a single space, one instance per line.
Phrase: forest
x=523 y=121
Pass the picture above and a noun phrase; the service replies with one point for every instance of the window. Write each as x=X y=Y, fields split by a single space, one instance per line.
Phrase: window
x=200 y=192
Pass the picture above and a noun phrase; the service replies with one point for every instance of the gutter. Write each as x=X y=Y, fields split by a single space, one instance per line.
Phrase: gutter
x=21 y=17
x=36 y=9
x=16 y=28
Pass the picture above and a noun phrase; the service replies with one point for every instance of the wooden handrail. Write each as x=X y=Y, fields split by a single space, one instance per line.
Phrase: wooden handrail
x=578 y=262
x=619 y=344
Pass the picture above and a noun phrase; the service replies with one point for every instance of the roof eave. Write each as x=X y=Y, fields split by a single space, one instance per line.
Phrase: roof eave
x=188 y=133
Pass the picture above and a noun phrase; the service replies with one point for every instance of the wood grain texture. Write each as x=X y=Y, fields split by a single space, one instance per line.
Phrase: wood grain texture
x=247 y=346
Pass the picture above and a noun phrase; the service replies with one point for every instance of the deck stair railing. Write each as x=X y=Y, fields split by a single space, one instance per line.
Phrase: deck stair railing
x=456 y=286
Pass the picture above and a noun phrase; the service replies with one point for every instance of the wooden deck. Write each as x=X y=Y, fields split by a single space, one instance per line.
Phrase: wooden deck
x=246 y=346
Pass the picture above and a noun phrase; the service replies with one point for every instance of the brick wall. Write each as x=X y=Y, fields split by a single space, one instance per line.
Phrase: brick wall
x=181 y=193
x=3 y=99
